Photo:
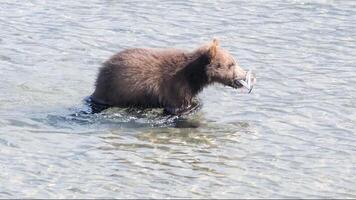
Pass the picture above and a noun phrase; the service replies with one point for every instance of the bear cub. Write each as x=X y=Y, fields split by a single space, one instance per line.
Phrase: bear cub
x=164 y=78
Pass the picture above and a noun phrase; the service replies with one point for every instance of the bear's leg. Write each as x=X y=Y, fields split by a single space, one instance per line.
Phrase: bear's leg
x=171 y=111
x=94 y=106
x=195 y=106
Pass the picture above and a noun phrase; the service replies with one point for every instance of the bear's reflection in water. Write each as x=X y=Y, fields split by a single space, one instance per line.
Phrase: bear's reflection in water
x=207 y=135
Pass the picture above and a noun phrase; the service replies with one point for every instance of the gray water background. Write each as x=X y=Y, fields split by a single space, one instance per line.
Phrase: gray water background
x=294 y=136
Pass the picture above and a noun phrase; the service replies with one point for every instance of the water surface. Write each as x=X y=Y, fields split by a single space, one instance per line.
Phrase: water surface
x=293 y=136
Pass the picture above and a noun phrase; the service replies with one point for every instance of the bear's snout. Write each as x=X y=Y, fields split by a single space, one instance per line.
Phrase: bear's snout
x=239 y=73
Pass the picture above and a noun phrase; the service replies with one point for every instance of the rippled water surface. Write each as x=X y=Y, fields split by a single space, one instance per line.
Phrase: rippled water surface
x=294 y=136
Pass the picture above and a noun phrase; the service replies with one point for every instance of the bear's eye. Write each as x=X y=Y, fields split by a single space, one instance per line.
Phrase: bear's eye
x=230 y=65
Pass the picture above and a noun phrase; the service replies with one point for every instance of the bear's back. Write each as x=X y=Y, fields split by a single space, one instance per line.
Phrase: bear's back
x=136 y=76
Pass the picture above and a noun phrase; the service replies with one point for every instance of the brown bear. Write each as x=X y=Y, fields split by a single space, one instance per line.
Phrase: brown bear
x=164 y=78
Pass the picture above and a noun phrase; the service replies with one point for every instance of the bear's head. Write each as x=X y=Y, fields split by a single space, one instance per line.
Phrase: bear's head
x=223 y=68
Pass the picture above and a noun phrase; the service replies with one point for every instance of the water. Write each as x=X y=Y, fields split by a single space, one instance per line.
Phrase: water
x=293 y=136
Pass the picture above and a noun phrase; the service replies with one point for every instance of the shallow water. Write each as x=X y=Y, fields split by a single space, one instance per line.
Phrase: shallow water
x=293 y=136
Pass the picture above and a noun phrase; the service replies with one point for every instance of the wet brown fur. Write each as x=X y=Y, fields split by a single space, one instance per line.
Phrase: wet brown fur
x=168 y=78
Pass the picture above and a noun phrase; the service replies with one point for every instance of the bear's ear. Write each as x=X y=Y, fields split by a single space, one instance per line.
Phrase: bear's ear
x=213 y=48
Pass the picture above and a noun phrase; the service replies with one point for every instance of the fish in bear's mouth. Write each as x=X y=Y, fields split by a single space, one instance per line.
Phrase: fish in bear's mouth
x=247 y=83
